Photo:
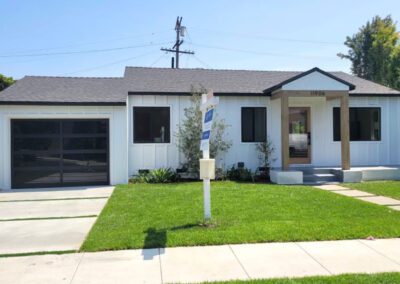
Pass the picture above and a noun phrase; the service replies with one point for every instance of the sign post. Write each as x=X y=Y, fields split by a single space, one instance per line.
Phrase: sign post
x=207 y=165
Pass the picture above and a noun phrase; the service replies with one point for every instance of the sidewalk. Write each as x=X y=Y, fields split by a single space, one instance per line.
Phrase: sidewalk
x=208 y=263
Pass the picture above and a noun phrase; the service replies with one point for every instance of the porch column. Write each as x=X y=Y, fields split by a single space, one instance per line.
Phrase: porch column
x=285 y=131
x=345 y=131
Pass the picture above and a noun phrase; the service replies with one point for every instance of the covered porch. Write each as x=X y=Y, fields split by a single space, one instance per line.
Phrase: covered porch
x=296 y=135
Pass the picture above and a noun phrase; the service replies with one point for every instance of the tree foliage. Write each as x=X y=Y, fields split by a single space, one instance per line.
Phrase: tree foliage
x=5 y=82
x=189 y=134
x=375 y=52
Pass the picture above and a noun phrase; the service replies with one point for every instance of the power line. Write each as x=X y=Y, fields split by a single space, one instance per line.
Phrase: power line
x=264 y=53
x=202 y=62
x=82 y=51
x=89 y=43
x=109 y=64
x=158 y=59
x=225 y=33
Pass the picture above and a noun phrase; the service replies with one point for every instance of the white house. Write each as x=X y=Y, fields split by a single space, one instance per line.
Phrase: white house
x=63 y=131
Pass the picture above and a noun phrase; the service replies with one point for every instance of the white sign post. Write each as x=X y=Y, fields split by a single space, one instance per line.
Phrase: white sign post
x=207 y=165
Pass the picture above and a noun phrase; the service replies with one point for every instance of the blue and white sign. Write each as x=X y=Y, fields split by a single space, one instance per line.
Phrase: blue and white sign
x=208 y=118
x=205 y=140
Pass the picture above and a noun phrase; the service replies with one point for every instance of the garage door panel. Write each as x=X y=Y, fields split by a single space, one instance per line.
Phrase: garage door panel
x=92 y=175
x=36 y=160
x=36 y=144
x=59 y=156
x=36 y=176
x=85 y=127
x=85 y=159
x=27 y=127
x=85 y=143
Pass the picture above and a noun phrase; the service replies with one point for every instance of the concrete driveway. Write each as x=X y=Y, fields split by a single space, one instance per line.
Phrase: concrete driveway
x=42 y=220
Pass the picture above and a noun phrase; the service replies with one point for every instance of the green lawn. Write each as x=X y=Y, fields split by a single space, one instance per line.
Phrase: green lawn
x=145 y=215
x=380 y=278
x=385 y=188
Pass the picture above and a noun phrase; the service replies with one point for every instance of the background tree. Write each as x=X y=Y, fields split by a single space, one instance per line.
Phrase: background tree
x=189 y=134
x=5 y=82
x=374 y=52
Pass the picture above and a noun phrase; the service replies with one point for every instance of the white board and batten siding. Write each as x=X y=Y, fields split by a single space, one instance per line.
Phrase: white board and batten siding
x=156 y=155
x=117 y=116
x=127 y=157
x=325 y=151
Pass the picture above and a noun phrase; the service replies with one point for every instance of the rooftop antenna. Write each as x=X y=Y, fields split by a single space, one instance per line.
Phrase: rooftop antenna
x=180 y=33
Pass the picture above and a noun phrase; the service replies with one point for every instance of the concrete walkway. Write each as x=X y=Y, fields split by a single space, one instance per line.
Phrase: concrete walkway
x=362 y=195
x=208 y=263
x=62 y=218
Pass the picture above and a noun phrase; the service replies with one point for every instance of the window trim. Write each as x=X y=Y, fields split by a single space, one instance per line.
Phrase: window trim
x=358 y=141
x=266 y=124
x=133 y=124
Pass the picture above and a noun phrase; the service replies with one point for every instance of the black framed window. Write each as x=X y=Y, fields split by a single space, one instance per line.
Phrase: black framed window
x=151 y=125
x=254 y=124
x=365 y=124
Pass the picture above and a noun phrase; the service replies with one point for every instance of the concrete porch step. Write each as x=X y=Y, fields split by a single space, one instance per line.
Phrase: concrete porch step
x=311 y=171
x=320 y=178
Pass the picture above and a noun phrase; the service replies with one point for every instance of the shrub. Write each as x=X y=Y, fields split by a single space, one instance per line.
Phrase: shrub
x=266 y=150
x=240 y=174
x=189 y=134
x=161 y=175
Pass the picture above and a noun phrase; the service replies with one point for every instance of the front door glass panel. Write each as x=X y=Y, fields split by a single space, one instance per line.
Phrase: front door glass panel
x=299 y=135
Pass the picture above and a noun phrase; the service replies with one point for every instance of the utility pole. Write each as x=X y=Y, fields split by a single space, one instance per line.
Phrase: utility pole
x=180 y=32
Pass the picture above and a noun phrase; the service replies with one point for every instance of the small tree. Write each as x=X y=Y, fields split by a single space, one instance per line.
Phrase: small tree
x=266 y=150
x=189 y=134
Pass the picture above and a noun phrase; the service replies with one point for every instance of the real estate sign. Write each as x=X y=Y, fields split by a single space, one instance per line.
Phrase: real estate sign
x=207 y=165
x=207 y=124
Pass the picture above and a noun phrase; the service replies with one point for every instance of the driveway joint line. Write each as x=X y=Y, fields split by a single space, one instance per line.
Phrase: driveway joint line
x=378 y=252
x=159 y=259
x=240 y=263
x=48 y=218
x=76 y=269
x=52 y=199
x=310 y=255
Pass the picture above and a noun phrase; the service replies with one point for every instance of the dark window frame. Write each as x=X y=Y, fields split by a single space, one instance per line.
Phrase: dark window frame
x=337 y=127
x=168 y=132
x=253 y=140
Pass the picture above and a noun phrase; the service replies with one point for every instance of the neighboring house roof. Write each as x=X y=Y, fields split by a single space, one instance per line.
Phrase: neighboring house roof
x=65 y=90
x=142 y=80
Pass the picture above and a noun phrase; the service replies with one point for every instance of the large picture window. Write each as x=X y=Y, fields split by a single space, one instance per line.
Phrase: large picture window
x=151 y=125
x=254 y=124
x=365 y=124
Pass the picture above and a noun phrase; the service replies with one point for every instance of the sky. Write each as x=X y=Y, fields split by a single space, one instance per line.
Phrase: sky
x=100 y=37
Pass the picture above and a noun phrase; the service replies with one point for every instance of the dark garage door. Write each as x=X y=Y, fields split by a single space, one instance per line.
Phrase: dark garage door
x=49 y=153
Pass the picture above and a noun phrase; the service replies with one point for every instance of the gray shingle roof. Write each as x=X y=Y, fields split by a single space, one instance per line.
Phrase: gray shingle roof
x=66 y=90
x=140 y=79
x=114 y=91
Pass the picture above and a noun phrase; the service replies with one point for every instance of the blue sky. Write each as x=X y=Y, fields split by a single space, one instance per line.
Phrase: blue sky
x=261 y=35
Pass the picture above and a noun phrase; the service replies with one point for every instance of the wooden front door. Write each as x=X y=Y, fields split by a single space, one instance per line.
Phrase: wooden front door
x=299 y=135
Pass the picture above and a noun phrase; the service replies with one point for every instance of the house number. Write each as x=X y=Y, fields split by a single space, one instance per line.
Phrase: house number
x=318 y=93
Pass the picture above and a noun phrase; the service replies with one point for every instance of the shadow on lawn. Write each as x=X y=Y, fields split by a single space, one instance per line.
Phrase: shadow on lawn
x=158 y=238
